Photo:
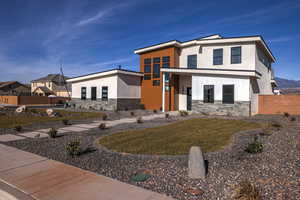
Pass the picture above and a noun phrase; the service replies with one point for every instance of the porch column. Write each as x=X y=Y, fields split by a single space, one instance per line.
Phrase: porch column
x=163 y=92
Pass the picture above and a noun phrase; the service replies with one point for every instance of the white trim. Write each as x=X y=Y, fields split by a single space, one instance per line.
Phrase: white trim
x=101 y=74
x=163 y=92
x=209 y=72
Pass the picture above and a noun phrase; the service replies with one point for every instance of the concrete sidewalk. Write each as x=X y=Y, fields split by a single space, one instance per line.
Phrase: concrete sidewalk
x=45 y=179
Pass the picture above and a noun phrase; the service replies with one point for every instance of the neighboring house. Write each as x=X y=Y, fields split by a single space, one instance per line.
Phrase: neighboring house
x=115 y=89
x=52 y=84
x=210 y=75
x=14 y=88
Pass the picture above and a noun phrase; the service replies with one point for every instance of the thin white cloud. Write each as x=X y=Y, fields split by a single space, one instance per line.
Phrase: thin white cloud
x=282 y=39
x=113 y=63
x=100 y=15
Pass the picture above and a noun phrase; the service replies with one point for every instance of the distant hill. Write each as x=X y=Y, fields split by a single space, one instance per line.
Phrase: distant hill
x=286 y=83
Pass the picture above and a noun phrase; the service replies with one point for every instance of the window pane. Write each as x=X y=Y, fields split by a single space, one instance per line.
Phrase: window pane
x=93 y=93
x=218 y=56
x=166 y=65
x=156 y=82
x=228 y=94
x=192 y=61
x=147 y=77
x=236 y=55
x=156 y=70
x=166 y=59
x=208 y=94
x=83 y=93
x=147 y=61
x=147 y=69
x=104 y=93
x=167 y=77
x=156 y=60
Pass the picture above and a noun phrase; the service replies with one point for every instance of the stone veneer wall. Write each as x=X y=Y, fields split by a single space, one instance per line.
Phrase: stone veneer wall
x=239 y=108
x=110 y=104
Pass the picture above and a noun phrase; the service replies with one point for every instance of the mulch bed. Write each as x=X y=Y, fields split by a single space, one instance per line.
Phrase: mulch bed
x=275 y=171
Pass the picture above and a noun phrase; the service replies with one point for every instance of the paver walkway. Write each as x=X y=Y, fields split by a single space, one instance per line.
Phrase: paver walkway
x=46 y=179
x=77 y=127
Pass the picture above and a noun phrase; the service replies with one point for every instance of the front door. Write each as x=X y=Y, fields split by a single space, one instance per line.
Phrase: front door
x=189 y=98
x=93 y=93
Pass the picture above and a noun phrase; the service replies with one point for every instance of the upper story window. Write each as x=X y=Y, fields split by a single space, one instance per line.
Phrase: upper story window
x=83 y=93
x=262 y=58
x=236 y=55
x=166 y=59
x=156 y=82
x=192 y=61
x=218 y=57
x=166 y=62
x=147 y=61
x=147 y=69
x=156 y=60
x=156 y=70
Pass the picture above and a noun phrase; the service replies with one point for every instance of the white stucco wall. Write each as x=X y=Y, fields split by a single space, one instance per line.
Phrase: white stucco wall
x=205 y=56
x=129 y=86
x=241 y=87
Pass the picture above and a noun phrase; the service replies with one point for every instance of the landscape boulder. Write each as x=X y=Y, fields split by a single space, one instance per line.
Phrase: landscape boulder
x=21 y=109
x=196 y=163
x=49 y=111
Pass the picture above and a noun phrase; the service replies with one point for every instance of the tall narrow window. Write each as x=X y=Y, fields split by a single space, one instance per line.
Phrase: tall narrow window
x=156 y=70
x=236 y=55
x=147 y=69
x=166 y=62
x=208 y=94
x=218 y=57
x=228 y=94
x=83 y=93
x=93 y=93
x=104 y=93
x=192 y=61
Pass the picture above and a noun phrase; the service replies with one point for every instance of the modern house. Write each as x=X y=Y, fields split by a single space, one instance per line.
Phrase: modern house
x=115 y=89
x=210 y=75
x=14 y=88
x=52 y=84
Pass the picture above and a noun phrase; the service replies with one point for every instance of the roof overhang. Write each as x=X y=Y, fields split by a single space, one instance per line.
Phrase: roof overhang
x=208 y=41
x=208 y=71
x=103 y=74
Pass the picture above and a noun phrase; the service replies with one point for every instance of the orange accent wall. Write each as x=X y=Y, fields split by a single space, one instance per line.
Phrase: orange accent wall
x=278 y=104
x=151 y=96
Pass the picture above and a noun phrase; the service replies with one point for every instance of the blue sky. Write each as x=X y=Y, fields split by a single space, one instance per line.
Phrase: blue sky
x=91 y=36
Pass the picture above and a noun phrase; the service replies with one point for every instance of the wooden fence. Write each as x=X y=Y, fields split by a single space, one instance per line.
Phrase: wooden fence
x=278 y=104
x=32 y=100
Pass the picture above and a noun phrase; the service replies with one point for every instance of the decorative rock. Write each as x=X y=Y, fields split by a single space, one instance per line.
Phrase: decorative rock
x=196 y=163
x=21 y=109
x=49 y=111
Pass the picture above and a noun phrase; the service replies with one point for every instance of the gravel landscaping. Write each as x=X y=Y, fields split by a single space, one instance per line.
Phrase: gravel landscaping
x=275 y=171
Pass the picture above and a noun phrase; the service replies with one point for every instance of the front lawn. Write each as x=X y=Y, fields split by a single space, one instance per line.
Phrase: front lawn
x=32 y=116
x=177 y=138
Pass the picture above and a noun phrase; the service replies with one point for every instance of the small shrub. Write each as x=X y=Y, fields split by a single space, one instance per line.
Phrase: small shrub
x=286 y=114
x=52 y=133
x=73 y=148
x=104 y=117
x=247 y=191
x=183 y=113
x=255 y=146
x=102 y=126
x=167 y=115
x=154 y=111
x=140 y=177
x=293 y=119
x=18 y=128
x=65 y=122
x=139 y=120
x=132 y=113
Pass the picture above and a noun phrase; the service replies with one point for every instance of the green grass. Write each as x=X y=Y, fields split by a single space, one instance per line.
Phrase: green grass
x=177 y=138
x=12 y=121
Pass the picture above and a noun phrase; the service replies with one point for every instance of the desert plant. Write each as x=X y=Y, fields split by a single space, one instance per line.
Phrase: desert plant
x=183 y=113
x=132 y=113
x=255 y=146
x=73 y=148
x=65 y=122
x=18 y=128
x=247 y=191
x=154 y=111
x=102 y=126
x=104 y=117
x=52 y=133
x=293 y=119
x=286 y=114
x=139 y=120
x=140 y=177
x=167 y=115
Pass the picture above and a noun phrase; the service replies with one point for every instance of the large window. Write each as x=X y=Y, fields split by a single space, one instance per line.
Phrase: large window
x=93 y=93
x=228 y=94
x=104 y=93
x=166 y=62
x=218 y=57
x=147 y=69
x=156 y=70
x=208 y=94
x=83 y=93
x=236 y=55
x=192 y=61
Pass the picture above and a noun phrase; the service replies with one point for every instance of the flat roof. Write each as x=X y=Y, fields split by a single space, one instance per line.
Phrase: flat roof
x=105 y=73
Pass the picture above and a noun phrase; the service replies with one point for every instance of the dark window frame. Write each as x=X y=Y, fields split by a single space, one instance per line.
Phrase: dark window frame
x=93 y=98
x=191 y=61
x=228 y=98
x=104 y=95
x=236 y=58
x=218 y=59
x=208 y=93
x=83 y=94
